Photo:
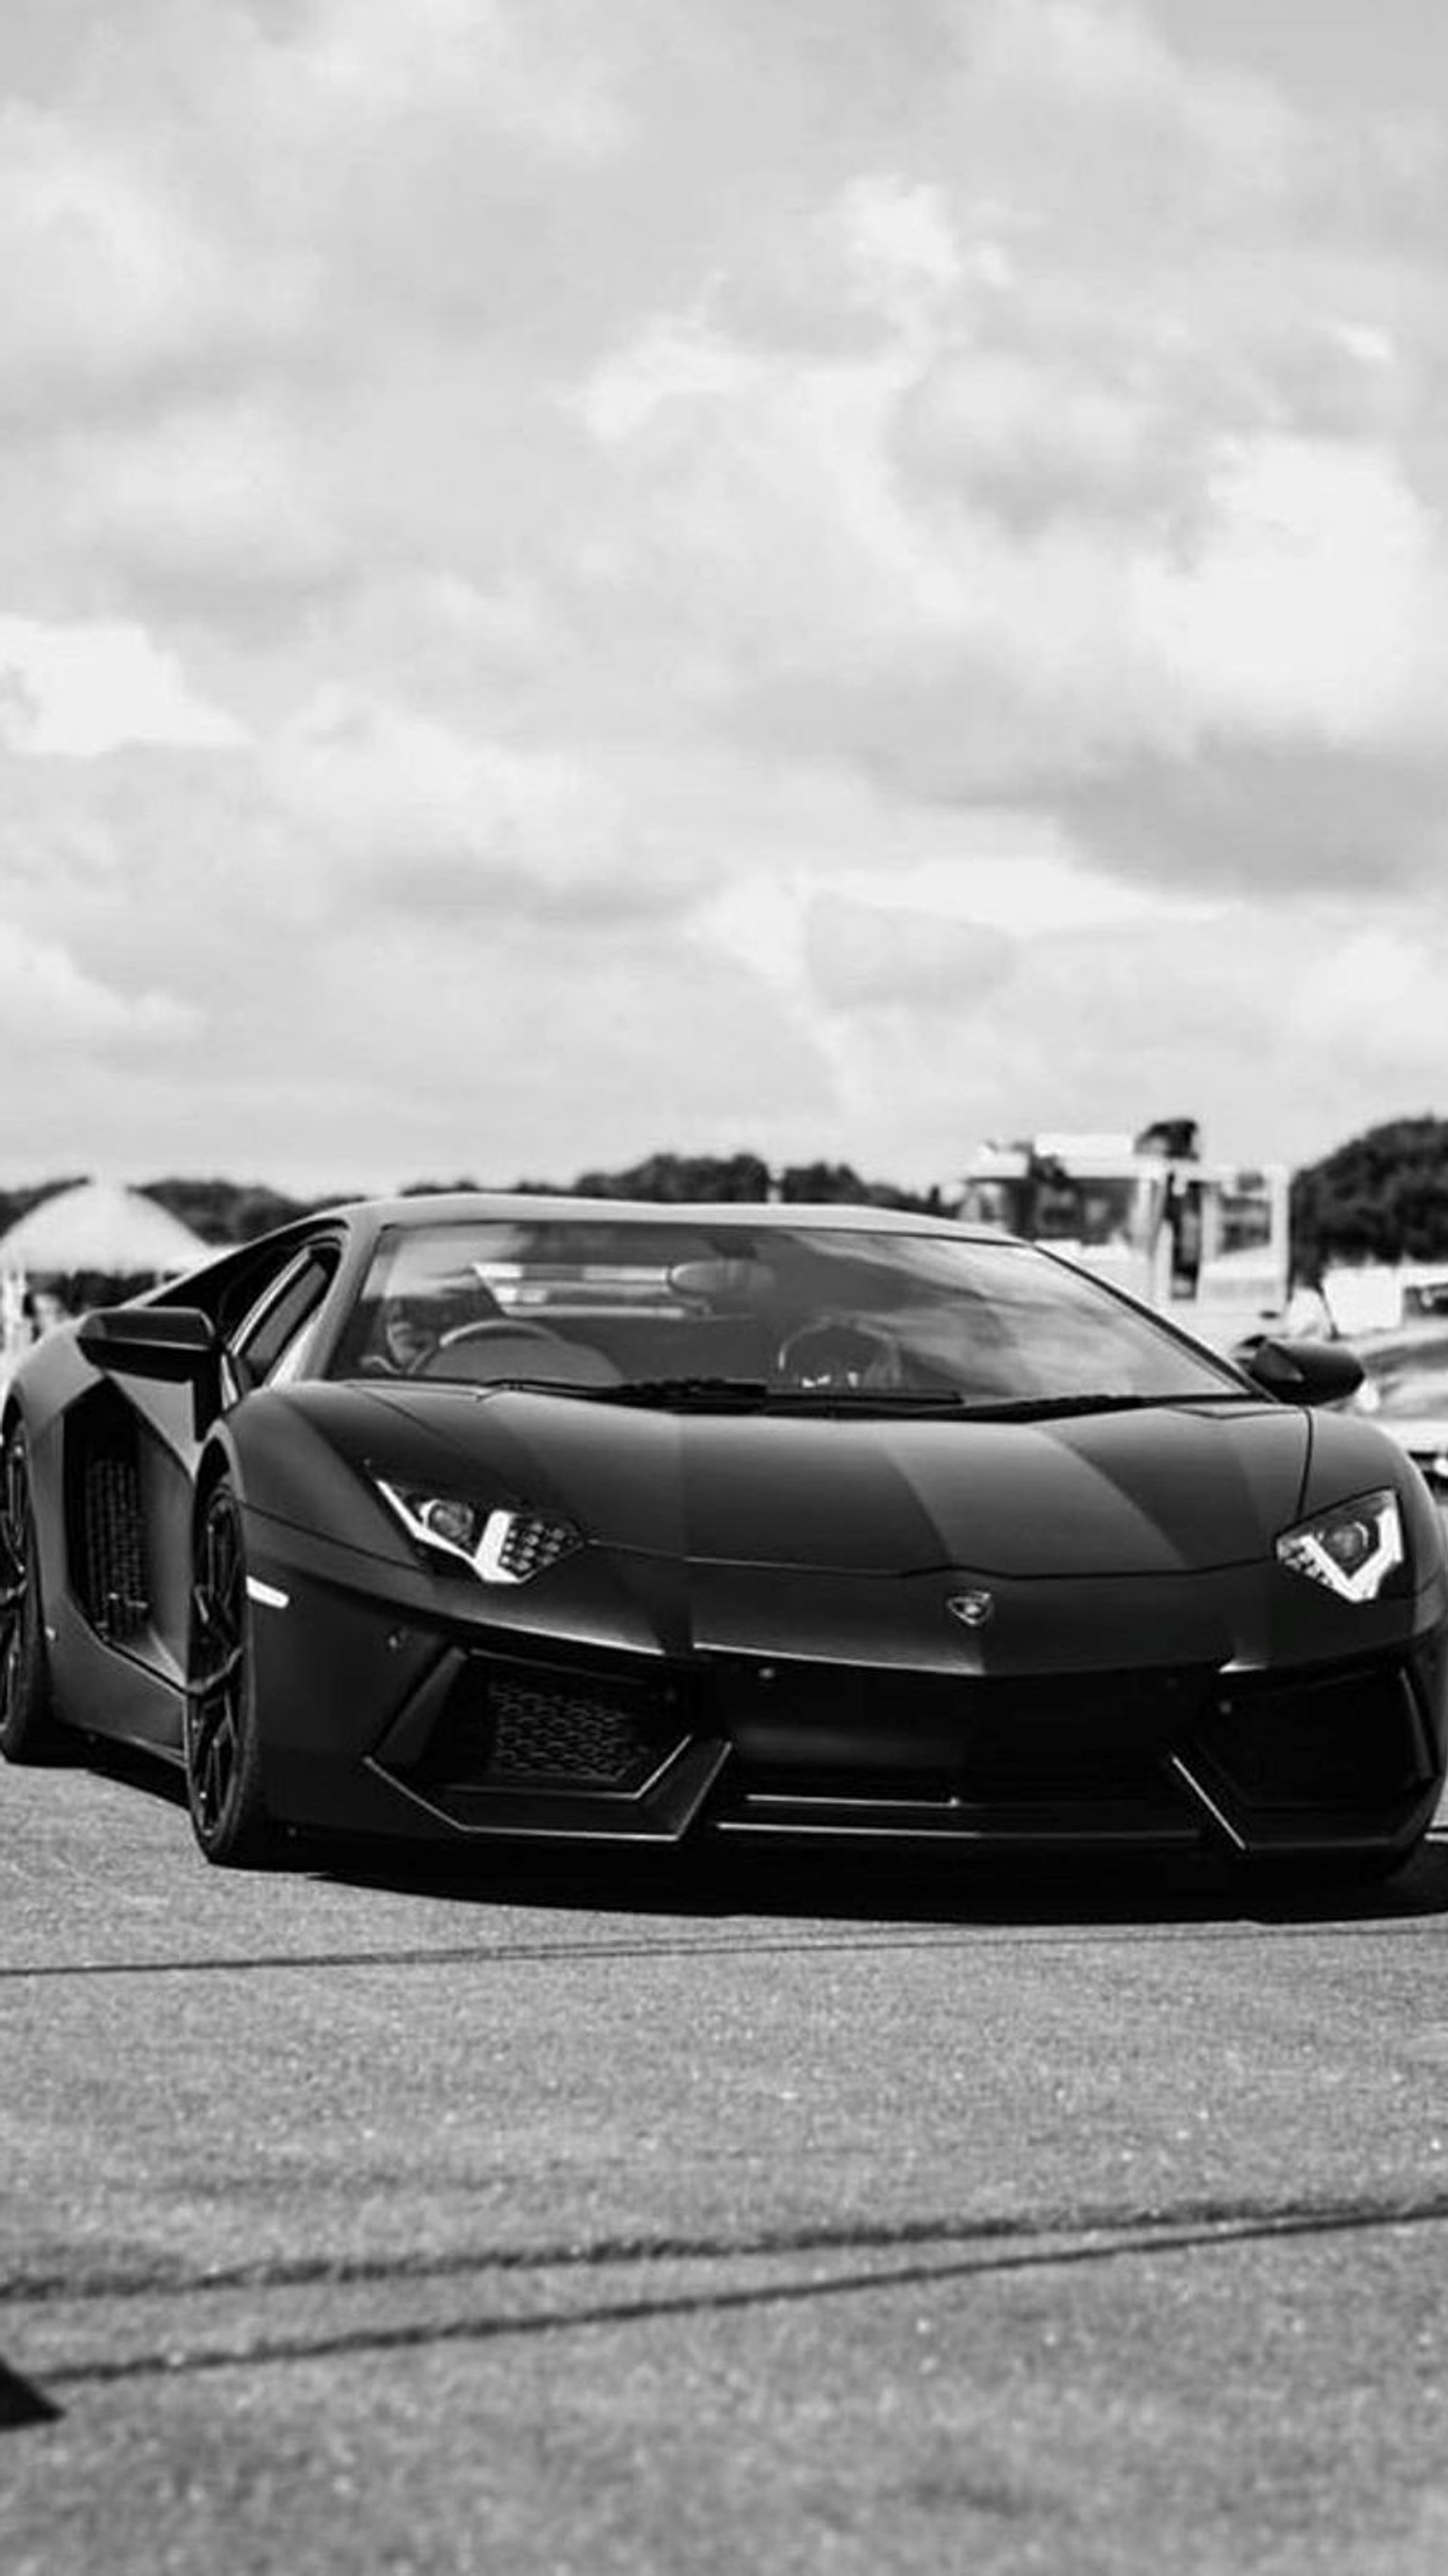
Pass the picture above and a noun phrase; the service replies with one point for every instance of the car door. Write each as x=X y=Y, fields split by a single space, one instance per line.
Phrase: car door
x=132 y=1443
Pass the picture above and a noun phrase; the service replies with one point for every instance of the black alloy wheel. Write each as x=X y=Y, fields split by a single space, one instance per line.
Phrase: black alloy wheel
x=28 y=1730
x=223 y=1753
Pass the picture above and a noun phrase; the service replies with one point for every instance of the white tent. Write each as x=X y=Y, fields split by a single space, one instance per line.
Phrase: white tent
x=97 y=1225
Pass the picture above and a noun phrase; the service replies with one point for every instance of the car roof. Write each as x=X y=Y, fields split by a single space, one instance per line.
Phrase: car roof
x=455 y=1207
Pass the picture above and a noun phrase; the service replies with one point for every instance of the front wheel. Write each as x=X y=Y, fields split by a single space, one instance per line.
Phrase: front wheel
x=28 y=1731
x=222 y=1743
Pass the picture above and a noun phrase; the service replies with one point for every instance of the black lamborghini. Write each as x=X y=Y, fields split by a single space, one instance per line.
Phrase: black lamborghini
x=474 y=1519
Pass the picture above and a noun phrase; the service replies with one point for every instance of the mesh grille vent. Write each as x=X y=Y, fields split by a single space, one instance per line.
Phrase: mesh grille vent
x=113 y=1566
x=553 y=1731
x=507 y=1726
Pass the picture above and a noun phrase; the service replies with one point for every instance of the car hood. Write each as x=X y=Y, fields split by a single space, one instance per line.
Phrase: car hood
x=1149 y=1492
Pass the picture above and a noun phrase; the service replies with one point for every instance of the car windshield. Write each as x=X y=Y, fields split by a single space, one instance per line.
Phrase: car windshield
x=749 y=1312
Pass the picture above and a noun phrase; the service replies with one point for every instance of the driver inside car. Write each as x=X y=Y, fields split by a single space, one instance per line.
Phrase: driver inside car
x=410 y=1329
x=841 y=1355
x=408 y=1336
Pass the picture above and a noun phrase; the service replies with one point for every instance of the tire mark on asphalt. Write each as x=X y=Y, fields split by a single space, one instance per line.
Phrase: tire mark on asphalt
x=1377 y=1926
x=1153 y=2239
x=1212 y=2219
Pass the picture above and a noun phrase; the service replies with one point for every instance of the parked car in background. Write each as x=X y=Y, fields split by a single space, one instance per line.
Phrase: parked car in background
x=1405 y=1390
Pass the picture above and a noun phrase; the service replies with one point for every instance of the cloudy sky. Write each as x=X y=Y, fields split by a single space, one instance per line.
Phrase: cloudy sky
x=833 y=576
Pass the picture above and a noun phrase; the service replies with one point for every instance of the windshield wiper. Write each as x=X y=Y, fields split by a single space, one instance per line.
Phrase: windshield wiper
x=961 y=1408
x=1058 y=1408
x=865 y=1399
x=755 y=1394
x=711 y=1394
x=722 y=1393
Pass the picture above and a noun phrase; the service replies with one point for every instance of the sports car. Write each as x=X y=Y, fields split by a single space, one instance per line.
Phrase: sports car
x=482 y=1519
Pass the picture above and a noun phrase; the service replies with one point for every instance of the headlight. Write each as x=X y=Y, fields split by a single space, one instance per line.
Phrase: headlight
x=500 y=1544
x=1354 y=1550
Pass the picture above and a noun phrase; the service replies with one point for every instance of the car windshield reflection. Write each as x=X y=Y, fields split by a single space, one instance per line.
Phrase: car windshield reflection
x=690 y=1312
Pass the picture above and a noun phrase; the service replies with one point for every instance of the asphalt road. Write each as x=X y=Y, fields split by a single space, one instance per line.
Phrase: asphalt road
x=642 y=2224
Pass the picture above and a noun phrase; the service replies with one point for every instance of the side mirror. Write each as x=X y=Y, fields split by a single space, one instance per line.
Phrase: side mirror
x=1304 y=1372
x=177 y=1343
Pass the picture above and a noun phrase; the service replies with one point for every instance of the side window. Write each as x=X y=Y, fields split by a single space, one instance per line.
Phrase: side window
x=273 y=1338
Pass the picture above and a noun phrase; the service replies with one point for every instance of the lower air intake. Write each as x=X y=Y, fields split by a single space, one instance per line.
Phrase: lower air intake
x=509 y=1727
x=1349 y=1740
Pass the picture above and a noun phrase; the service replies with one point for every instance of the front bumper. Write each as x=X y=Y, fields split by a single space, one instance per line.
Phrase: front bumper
x=1161 y=1716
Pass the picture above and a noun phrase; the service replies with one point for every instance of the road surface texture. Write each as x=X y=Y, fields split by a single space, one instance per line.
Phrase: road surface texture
x=582 y=2222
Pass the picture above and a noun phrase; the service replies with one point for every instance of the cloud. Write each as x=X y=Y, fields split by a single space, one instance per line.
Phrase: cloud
x=990 y=576
x=863 y=955
x=450 y=63
x=571 y=573
x=423 y=814
x=223 y=501
x=1286 y=821
x=128 y=281
x=1314 y=602
x=1282 y=1036
x=49 y=1006
x=1041 y=523
x=75 y=692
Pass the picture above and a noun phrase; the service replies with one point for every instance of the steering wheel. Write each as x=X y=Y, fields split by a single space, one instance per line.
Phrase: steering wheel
x=835 y=1351
x=485 y=1328
x=493 y=1327
x=571 y=1363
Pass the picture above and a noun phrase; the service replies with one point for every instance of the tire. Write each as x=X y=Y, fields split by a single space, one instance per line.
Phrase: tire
x=222 y=1741
x=28 y=1728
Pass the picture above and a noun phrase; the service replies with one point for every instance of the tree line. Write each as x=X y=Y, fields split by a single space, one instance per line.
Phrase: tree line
x=224 y=1212
x=1383 y=1196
